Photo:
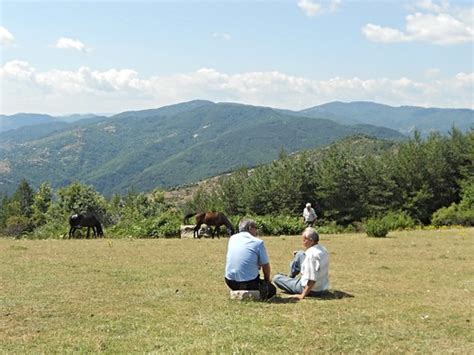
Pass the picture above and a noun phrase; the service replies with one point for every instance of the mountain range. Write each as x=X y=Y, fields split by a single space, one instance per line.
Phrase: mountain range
x=187 y=142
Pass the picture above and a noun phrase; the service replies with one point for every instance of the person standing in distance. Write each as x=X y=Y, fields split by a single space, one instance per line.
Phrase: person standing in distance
x=309 y=216
x=246 y=254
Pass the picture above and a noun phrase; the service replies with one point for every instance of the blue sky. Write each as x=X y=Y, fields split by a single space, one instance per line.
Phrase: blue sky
x=106 y=57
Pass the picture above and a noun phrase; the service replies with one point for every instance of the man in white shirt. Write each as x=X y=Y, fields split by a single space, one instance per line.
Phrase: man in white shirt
x=314 y=266
x=309 y=215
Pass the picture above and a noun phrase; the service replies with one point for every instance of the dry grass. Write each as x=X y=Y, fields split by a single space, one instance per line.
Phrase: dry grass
x=413 y=292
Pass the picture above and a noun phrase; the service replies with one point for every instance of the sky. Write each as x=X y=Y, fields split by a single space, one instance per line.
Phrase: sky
x=107 y=57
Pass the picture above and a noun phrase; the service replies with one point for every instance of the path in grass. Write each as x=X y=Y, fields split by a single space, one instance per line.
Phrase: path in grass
x=412 y=291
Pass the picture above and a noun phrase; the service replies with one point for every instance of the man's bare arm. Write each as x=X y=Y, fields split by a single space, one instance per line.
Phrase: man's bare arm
x=266 y=272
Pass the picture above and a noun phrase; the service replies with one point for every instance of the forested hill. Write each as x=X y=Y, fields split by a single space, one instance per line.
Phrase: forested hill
x=165 y=147
x=405 y=119
x=20 y=120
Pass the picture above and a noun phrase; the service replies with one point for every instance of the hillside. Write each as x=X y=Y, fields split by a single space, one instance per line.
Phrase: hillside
x=165 y=147
x=405 y=119
x=359 y=146
x=23 y=120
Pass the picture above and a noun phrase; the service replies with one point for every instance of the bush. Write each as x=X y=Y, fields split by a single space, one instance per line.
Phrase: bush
x=453 y=215
x=55 y=230
x=166 y=225
x=279 y=225
x=17 y=226
x=376 y=227
x=398 y=220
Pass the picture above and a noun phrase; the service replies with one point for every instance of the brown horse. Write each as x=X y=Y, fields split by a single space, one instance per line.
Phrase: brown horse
x=216 y=219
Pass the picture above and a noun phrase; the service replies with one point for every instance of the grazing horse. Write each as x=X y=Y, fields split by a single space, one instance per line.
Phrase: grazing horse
x=77 y=221
x=216 y=219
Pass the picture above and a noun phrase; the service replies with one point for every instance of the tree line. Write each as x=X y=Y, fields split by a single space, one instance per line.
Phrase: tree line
x=419 y=181
x=415 y=178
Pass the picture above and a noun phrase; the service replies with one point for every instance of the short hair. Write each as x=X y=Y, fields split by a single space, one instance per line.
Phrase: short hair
x=245 y=225
x=310 y=233
x=308 y=205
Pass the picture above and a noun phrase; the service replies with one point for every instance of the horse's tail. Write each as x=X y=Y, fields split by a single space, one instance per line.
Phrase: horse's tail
x=185 y=220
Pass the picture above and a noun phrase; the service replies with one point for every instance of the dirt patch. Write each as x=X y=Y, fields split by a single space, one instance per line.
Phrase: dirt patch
x=5 y=167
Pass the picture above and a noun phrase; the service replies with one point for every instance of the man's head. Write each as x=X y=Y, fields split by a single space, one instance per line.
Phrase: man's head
x=310 y=237
x=308 y=205
x=248 y=225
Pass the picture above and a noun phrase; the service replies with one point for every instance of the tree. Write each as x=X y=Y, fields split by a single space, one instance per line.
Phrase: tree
x=23 y=196
x=41 y=203
x=79 y=198
x=340 y=187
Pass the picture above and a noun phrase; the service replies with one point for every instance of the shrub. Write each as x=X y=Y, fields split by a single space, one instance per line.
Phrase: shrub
x=279 y=225
x=453 y=215
x=376 y=227
x=55 y=230
x=17 y=225
x=166 y=225
x=398 y=220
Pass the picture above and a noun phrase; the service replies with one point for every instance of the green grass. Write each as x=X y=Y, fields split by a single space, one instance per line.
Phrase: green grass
x=412 y=292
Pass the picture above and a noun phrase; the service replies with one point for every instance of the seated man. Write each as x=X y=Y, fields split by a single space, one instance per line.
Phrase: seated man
x=313 y=264
x=246 y=254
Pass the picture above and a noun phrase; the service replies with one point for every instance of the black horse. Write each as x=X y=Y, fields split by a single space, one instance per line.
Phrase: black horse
x=77 y=221
x=216 y=219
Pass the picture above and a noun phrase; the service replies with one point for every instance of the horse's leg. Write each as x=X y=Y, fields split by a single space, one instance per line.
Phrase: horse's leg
x=71 y=232
x=196 y=230
x=88 y=231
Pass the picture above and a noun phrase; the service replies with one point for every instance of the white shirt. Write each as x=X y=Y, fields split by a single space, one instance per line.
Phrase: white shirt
x=309 y=216
x=315 y=267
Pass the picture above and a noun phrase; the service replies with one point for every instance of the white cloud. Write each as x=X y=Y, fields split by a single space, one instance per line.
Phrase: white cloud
x=69 y=43
x=6 y=38
x=17 y=70
x=309 y=7
x=312 y=8
x=439 y=24
x=116 y=90
x=383 y=34
x=222 y=36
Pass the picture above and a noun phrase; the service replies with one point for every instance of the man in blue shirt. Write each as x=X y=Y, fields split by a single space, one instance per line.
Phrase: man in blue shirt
x=246 y=254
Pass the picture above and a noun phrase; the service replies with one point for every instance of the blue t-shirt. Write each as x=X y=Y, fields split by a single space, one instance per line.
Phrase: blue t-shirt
x=245 y=254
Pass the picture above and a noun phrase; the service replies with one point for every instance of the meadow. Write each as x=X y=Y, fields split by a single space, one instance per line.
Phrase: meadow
x=409 y=292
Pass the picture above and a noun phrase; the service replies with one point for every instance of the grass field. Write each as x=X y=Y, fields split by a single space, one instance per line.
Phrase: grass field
x=411 y=292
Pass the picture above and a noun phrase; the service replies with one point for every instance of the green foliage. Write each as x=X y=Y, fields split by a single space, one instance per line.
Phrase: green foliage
x=453 y=215
x=22 y=199
x=17 y=226
x=4 y=201
x=41 y=202
x=376 y=227
x=402 y=184
x=166 y=225
x=457 y=214
x=167 y=147
x=398 y=220
x=353 y=180
x=53 y=229
x=79 y=198
x=279 y=225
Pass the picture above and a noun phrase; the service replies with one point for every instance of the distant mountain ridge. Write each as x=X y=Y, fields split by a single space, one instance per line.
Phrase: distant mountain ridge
x=165 y=147
x=19 y=120
x=405 y=119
